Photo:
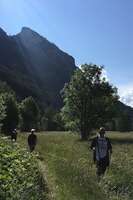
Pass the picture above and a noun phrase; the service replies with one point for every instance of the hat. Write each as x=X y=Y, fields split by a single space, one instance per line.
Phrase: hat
x=102 y=130
x=32 y=130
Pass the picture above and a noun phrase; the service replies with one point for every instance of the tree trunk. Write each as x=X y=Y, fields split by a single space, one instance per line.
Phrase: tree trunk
x=83 y=134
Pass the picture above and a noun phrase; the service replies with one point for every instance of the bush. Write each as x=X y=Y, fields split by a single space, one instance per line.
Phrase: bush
x=11 y=119
x=29 y=114
x=20 y=178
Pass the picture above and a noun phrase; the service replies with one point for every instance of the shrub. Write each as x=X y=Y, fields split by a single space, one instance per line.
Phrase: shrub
x=20 y=178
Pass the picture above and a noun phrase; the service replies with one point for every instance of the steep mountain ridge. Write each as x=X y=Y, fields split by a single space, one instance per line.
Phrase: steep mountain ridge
x=32 y=65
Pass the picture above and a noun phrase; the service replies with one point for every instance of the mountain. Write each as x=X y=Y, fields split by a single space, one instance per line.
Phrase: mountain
x=123 y=120
x=33 y=66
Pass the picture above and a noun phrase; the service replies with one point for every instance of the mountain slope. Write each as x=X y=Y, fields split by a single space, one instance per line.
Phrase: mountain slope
x=32 y=65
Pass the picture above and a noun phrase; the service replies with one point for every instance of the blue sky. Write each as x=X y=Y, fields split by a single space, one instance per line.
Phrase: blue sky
x=96 y=31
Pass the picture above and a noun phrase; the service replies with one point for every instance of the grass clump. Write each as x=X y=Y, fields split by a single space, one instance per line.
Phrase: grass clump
x=20 y=178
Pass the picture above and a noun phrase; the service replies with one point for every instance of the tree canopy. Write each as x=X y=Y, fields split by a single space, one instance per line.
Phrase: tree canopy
x=29 y=114
x=88 y=100
x=2 y=109
x=11 y=118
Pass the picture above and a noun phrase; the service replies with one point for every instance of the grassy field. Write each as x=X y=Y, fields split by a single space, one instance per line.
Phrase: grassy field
x=70 y=173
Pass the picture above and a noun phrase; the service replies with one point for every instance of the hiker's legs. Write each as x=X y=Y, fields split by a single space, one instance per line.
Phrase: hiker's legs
x=101 y=168
x=32 y=147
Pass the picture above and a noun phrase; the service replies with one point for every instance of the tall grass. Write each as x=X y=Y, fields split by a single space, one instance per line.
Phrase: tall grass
x=70 y=172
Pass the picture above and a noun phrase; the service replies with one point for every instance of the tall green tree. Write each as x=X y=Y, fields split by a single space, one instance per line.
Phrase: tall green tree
x=52 y=120
x=2 y=110
x=4 y=88
x=88 y=100
x=11 y=110
x=29 y=114
x=47 y=121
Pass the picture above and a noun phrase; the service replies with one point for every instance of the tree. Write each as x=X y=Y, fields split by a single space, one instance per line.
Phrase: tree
x=29 y=114
x=11 y=119
x=8 y=108
x=88 y=100
x=51 y=120
x=59 y=123
x=2 y=110
x=4 y=88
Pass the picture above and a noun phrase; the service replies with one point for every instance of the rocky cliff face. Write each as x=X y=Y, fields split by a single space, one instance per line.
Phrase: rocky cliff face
x=32 y=65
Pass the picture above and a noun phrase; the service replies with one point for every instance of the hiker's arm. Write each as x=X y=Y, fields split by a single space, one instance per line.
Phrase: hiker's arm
x=109 y=146
x=93 y=145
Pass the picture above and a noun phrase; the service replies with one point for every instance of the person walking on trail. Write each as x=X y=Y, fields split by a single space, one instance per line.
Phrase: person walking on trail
x=32 y=140
x=102 y=150
x=14 y=135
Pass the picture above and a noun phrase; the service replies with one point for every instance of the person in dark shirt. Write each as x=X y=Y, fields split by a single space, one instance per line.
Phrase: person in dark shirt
x=32 y=140
x=14 y=135
x=102 y=150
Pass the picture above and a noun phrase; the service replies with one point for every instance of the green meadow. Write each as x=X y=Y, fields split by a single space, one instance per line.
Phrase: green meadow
x=68 y=169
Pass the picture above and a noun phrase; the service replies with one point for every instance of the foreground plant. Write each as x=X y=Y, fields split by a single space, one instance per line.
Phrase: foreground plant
x=20 y=178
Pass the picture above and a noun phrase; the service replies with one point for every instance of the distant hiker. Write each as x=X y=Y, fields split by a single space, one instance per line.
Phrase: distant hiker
x=102 y=150
x=32 y=140
x=14 y=135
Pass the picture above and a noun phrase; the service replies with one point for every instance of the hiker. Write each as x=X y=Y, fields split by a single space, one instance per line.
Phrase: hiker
x=102 y=150
x=14 y=135
x=32 y=140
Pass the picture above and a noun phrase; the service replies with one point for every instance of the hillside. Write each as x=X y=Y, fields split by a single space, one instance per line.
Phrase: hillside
x=124 y=116
x=33 y=66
